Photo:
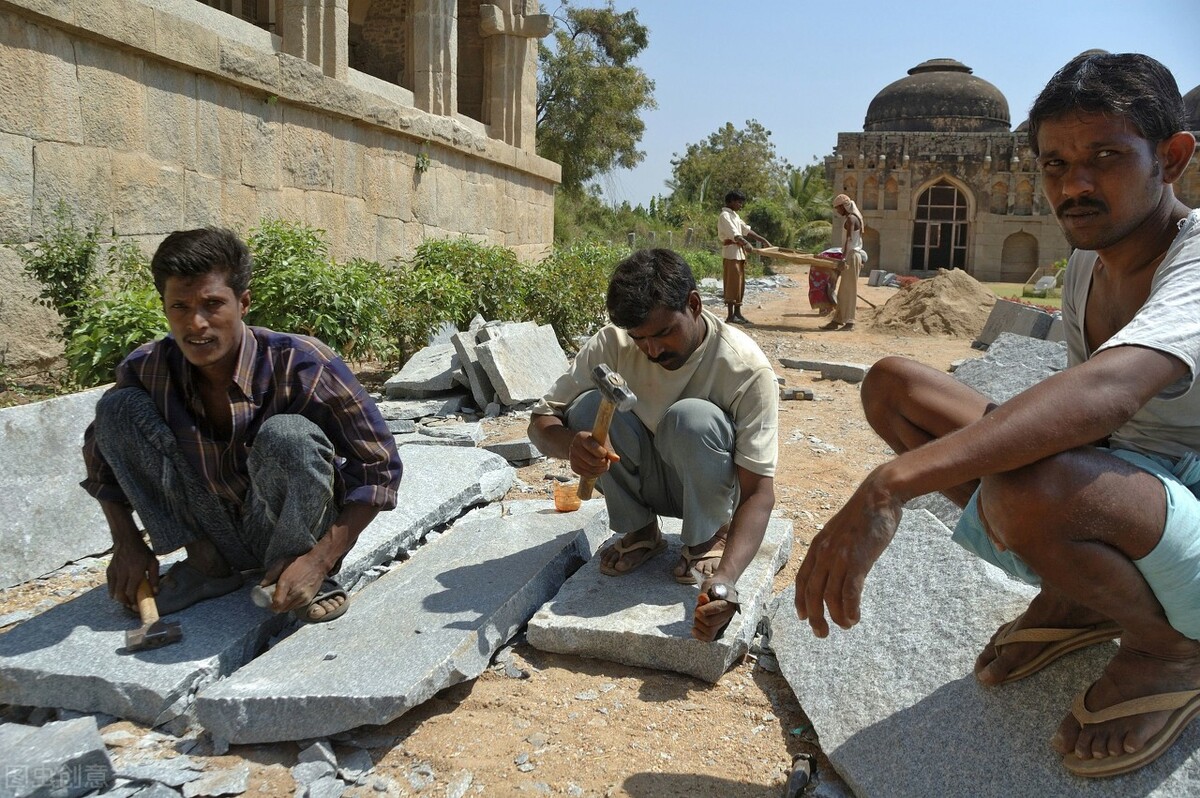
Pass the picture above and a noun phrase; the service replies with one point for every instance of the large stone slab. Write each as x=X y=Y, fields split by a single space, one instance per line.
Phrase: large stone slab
x=46 y=519
x=59 y=759
x=427 y=373
x=830 y=369
x=446 y=404
x=430 y=623
x=897 y=707
x=480 y=383
x=645 y=618
x=72 y=657
x=1013 y=363
x=1015 y=318
x=523 y=362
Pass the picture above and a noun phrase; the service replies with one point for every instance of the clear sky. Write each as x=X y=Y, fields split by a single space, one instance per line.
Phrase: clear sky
x=809 y=70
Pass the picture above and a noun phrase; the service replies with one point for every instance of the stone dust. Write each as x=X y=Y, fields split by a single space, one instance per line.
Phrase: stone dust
x=953 y=303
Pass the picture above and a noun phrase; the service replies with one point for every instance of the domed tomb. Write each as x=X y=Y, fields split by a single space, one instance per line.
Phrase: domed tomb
x=1191 y=107
x=940 y=95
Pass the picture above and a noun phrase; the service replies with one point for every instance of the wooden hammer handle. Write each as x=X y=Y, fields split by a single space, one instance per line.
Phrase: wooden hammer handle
x=147 y=608
x=600 y=434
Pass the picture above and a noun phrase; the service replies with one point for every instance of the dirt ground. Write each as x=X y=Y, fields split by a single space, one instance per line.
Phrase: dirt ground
x=545 y=724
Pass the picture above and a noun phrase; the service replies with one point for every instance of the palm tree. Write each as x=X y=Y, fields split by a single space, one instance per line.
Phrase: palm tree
x=808 y=208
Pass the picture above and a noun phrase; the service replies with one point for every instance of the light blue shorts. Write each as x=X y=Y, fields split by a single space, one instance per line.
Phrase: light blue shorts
x=1172 y=568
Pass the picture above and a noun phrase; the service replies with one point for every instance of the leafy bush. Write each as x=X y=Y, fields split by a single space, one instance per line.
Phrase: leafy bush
x=110 y=327
x=491 y=274
x=568 y=289
x=64 y=260
x=425 y=298
x=297 y=288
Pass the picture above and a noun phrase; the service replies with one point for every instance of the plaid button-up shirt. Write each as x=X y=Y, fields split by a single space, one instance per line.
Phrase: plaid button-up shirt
x=276 y=373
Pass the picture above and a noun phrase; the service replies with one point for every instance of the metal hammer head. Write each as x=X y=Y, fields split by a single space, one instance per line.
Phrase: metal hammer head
x=153 y=635
x=612 y=387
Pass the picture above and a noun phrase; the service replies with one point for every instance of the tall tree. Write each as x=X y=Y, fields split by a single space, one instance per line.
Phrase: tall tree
x=731 y=158
x=590 y=95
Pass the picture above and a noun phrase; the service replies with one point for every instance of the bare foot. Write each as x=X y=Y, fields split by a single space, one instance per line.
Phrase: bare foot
x=705 y=567
x=1131 y=674
x=1047 y=610
x=621 y=560
x=319 y=609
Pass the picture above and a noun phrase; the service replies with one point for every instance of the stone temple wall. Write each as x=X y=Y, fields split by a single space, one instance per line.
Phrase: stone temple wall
x=153 y=116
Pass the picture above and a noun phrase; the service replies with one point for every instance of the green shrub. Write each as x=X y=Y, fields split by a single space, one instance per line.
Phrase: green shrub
x=704 y=263
x=568 y=289
x=491 y=274
x=425 y=298
x=64 y=260
x=297 y=288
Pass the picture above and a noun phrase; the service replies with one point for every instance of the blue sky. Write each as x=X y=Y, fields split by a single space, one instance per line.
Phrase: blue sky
x=809 y=70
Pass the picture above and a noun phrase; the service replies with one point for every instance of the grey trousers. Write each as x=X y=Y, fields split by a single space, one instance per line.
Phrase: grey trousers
x=684 y=471
x=289 y=505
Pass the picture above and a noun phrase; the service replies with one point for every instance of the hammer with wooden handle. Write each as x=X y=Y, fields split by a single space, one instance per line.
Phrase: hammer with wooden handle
x=614 y=395
x=153 y=633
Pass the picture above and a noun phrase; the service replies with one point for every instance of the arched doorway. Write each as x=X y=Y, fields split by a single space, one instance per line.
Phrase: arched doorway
x=940 y=229
x=1018 y=258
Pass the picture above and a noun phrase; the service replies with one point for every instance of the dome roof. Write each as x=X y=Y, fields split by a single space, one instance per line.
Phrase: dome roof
x=939 y=95
x=1191 y=107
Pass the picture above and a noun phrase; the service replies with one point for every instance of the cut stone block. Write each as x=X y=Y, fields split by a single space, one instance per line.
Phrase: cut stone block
x=469 y=434
x=830 y=370
x=421 y=439
x=896 y=704
x=518 y=451
x=412 y=409
x=430 y=623
x=523 y=363
x=644 y=618
x=48 y=519
x=1013 y=363
x=72 y=656
x=876 y=277
x=59 y=759
x=1014 y=317
x=427 y=373
x=477 y=378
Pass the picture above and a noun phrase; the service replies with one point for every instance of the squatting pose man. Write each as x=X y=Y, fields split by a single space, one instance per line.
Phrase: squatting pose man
x=700 y=444
x=249 y=448
x=1099 y=508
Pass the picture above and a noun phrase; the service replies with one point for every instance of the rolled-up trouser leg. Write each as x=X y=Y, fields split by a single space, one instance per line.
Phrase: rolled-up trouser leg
x=695 y=443
x=290 y=504
x=634 y=488
x=174 y=505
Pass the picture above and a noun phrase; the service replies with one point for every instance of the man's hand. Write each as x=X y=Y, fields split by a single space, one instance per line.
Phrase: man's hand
x=296 y=582
x=711 y=616
x=837 y=562
x=587 y=457
x=132 y=561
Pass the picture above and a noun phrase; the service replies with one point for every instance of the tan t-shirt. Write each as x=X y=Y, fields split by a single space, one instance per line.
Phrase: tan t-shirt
x=727 y=369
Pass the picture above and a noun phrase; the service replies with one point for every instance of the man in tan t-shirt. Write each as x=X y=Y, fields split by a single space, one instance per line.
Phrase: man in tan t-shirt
x=700 y=444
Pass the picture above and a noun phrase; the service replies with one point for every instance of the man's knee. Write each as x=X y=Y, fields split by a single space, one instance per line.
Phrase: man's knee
x=886 y=381
x=124 y=415
x=581 y=415
x=286 y=439
x=695 y=425
x=1019 y=507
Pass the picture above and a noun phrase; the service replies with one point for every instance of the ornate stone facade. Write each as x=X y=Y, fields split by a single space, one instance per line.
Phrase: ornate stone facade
x=354 y=116
x=943 y=181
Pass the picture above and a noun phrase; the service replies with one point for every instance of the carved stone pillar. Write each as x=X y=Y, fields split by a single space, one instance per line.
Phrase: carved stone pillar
x=510 y=68
x=433 y=56
x=319 y=32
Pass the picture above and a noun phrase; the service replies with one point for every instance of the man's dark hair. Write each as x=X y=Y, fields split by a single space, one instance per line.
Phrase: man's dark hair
x=647 y=279
x=734 y=195
x=1129 y=85
x=193 y=253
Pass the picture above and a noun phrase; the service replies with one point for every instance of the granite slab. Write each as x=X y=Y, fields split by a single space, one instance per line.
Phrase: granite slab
x=644 y=618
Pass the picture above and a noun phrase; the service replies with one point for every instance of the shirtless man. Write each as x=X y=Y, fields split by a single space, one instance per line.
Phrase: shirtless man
x=1100 y=509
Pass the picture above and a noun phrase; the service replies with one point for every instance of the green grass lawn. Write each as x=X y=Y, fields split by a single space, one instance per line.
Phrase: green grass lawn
x=1013 y=291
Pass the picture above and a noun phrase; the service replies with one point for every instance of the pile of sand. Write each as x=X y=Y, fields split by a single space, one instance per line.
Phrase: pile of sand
x=952 y=303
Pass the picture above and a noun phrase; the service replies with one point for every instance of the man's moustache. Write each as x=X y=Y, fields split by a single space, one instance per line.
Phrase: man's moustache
x=1084 y=202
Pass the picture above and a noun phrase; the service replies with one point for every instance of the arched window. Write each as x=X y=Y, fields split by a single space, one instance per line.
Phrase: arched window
x=1024 y=203
x=870 y=194
x=850 y=187
x=1018 y=258
x=940 y=229
x=999 y=198
x=891 y=194
x=380 y=36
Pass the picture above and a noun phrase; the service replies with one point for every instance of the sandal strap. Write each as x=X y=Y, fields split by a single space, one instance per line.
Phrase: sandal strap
x=1044 y=634
x=1162 y=702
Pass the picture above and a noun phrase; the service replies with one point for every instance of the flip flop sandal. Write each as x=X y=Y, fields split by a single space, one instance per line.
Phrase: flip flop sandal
x=1184 y=706
x=651 y=547
x=183 y=585
x=690 y=560
x=329 y=589
x=1060 y=643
